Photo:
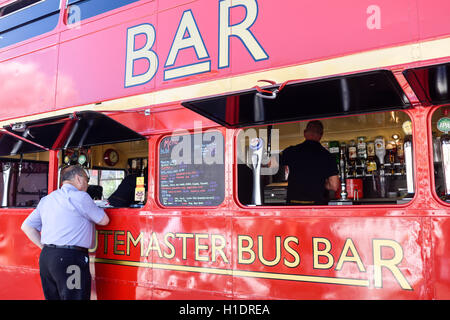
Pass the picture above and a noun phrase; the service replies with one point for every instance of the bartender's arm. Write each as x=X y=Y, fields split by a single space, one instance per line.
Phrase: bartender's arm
x=332 y=183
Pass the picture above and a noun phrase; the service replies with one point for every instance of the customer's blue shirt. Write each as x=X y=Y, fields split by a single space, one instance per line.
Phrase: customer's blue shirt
x=66 y=217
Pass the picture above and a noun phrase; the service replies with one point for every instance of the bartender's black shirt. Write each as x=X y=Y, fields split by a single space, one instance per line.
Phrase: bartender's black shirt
x=310 y=165
x=124 y=195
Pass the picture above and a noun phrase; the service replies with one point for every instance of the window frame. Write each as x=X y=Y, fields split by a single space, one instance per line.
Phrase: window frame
x=433 y=109
x=109 y=169
x=18 y=25
x=18 y=10
x=323 y=208
x=157 y=173
x=69 y=3
x=15 y=160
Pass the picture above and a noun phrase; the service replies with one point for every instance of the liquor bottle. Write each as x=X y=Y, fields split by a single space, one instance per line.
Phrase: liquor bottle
x=333 y=148
x=399 y=158
x=352 y=156
x=400 y=151
x=371 y=162
x=139 y=192
x=380 y=149
x=362 y=148
x=391 y=152
x=361 y=162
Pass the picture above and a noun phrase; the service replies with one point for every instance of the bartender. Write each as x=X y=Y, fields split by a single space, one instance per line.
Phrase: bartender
x=124 y=195
x=312 y=169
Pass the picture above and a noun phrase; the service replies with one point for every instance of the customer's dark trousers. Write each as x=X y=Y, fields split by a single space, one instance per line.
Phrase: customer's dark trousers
x=65 y=274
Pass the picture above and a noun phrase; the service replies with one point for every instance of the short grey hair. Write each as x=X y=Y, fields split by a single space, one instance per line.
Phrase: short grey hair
x=68 y=173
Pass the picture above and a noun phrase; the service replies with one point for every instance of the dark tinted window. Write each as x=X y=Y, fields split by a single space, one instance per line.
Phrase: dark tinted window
x=16 y=6
x=23 y=183
x=83 y=9
x=377 y=161
x=23 y=20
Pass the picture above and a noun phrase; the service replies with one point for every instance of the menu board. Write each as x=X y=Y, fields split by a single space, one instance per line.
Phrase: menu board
x=191 y=170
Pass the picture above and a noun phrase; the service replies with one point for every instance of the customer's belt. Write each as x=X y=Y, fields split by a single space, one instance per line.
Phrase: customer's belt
x=66 y=247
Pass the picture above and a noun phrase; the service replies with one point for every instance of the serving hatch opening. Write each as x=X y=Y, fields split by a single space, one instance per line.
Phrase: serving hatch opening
x=80 y=129
x=431 y=84
x=366 y=92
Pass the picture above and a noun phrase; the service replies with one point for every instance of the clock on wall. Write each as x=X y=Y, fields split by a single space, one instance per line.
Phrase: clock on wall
x=111 y=157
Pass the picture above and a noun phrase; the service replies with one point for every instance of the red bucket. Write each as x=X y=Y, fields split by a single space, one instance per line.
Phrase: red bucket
x=354 y=189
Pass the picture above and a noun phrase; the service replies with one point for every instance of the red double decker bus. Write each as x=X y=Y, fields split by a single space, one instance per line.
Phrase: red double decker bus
x=187 y=94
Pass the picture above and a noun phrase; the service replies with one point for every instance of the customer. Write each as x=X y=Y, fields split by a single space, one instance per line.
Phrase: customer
x=63 y=226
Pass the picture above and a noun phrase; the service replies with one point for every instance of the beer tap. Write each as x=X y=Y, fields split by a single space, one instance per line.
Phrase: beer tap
x=380 y=151
x=6 y=170
x=342 y=175
x=342 y=164
x=20 y=164
x=256 y=147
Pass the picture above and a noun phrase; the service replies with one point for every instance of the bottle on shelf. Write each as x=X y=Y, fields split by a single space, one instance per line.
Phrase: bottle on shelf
x=362 y=148
x=380 y=149
x=400 y=161
x=371 y=167
x=362 y=157
x=333 y=148
x=391 y=153
x=352 y=156
x=380 y=152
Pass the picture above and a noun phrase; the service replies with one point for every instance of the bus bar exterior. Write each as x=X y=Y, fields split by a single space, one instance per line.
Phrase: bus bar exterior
x=186 y=94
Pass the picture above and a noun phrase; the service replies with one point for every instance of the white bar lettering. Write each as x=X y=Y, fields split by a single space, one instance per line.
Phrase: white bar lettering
x=240 y=30
x=143 y=53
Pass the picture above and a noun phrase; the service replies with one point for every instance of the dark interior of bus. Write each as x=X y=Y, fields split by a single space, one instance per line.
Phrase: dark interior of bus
x=375 y=166
x=108 y=150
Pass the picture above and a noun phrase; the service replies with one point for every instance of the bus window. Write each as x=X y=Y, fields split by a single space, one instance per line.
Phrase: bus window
x=113 y=170
x=372 y=151
x=95 y=141
x=83 y=9
x=24 y=19
x=440 y=123
x=24 y=179
x=109 y=180
x=16 y=6
x=191 y=170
